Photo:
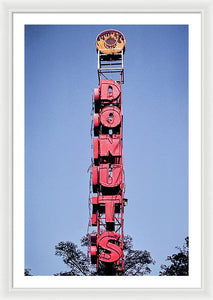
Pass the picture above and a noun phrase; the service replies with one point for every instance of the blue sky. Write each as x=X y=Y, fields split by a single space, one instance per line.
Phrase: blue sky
x=60 y=75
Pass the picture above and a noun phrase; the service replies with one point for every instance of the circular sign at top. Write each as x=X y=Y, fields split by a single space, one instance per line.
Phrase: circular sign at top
x=110 y=41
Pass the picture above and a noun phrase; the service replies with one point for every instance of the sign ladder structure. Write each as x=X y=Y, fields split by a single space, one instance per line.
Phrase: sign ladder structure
x=106 y=198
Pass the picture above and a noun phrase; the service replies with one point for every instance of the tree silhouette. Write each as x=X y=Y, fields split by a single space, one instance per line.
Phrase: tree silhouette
x=74 y=258
x=27 y=272
x=136 y=262
x=179 y=262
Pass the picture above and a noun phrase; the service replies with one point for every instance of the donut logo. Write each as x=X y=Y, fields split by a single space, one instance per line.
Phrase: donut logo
x=110 y=42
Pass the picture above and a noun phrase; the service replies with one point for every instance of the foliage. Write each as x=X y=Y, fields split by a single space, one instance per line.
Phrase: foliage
x=136 y=262
x=27 y=272
x=74 y=258
x=179 y=262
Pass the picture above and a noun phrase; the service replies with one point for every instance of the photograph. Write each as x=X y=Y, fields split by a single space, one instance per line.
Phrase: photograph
x=60 y=75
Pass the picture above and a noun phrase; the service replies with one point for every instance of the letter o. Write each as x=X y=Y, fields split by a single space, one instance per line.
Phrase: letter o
x=110 y=116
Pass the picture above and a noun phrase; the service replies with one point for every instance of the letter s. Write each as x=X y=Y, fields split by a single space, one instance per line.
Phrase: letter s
x=115 y=252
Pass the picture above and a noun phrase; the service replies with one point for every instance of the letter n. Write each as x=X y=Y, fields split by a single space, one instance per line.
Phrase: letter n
x=110 y=145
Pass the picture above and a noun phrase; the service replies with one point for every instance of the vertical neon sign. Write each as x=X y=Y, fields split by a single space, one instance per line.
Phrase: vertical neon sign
x=107 y=200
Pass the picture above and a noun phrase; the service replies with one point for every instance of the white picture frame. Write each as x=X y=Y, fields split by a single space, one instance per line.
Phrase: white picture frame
x=7 y=152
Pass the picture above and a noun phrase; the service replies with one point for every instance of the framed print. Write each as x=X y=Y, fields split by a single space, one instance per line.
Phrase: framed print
x=48 y=141
x=55 y=57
